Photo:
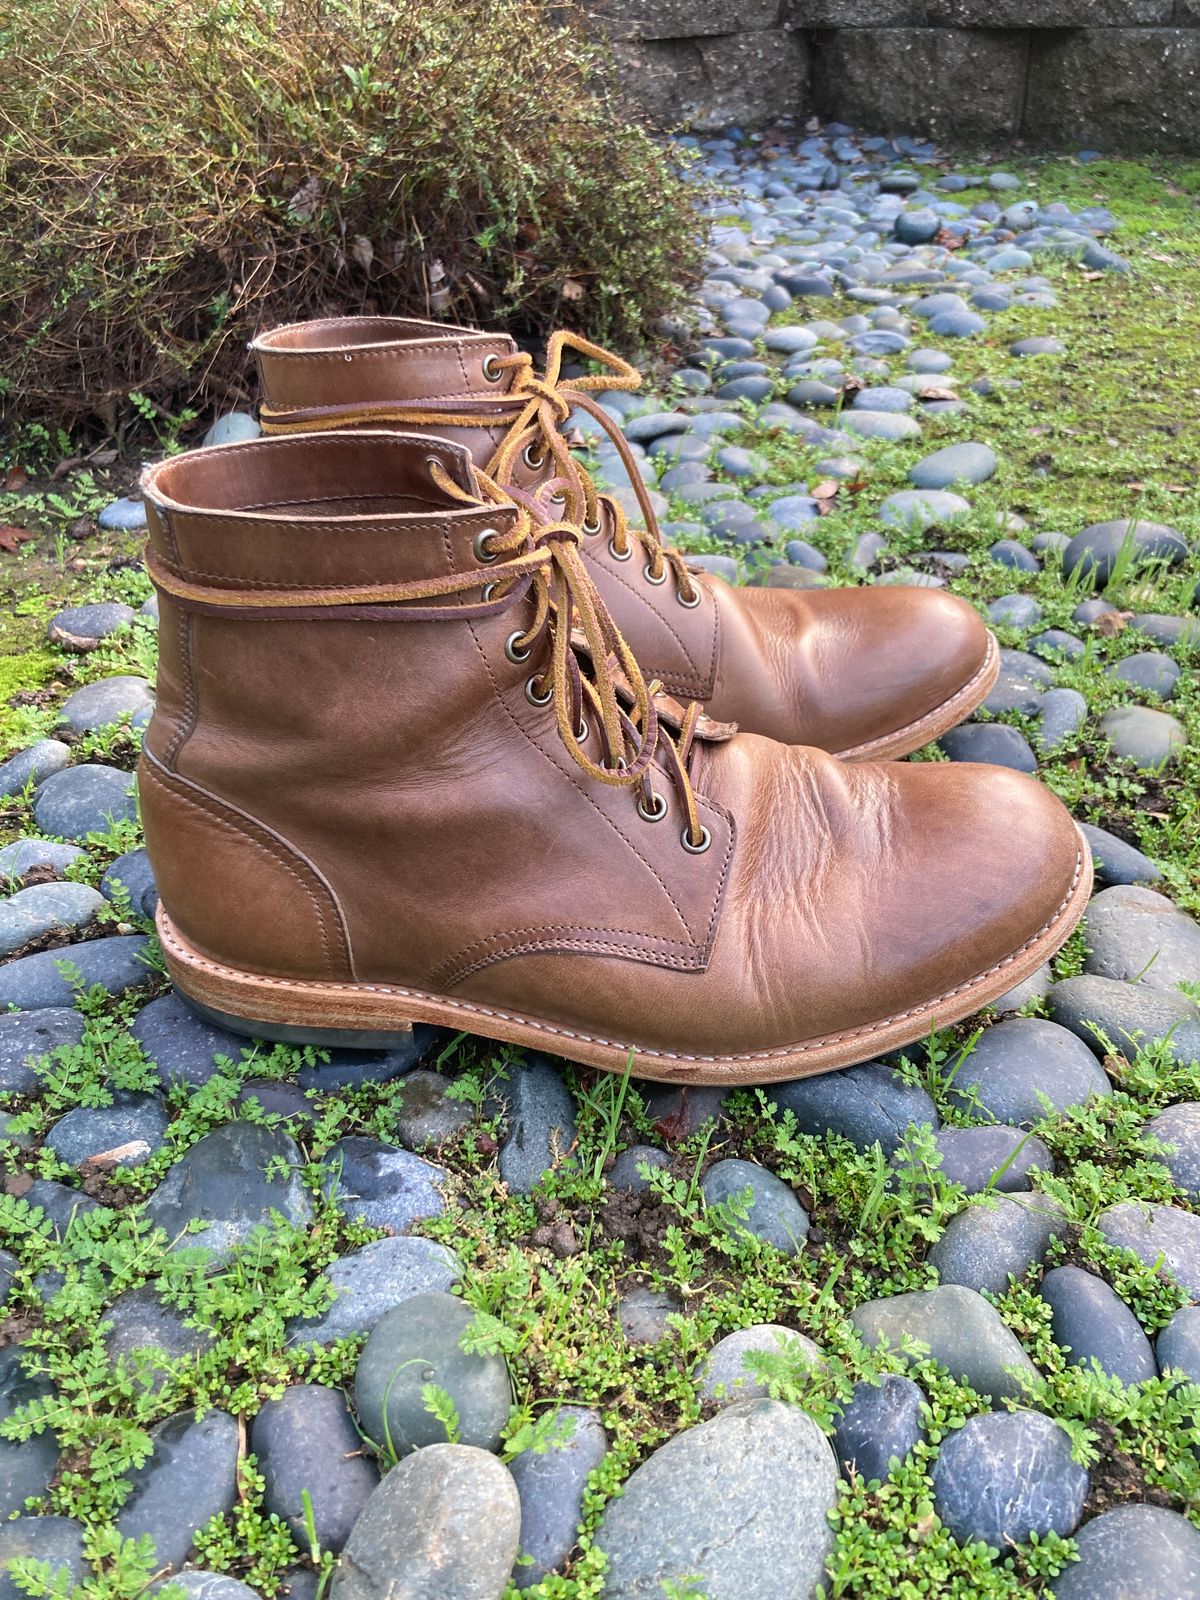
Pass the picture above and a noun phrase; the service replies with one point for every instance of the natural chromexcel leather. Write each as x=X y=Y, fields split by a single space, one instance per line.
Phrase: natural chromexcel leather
x=358 y=795
x=861 y=672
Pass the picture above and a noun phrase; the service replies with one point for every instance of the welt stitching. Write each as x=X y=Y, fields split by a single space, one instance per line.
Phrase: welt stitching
x=867 y=1031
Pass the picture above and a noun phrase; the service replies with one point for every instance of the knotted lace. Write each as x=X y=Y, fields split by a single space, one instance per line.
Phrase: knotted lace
x=539 y=551
x=534 y=410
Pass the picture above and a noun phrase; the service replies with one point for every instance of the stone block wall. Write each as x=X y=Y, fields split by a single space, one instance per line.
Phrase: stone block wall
x=1116 y=74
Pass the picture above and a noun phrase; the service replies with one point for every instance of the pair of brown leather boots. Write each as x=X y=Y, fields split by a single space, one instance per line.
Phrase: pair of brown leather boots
x=430 y=747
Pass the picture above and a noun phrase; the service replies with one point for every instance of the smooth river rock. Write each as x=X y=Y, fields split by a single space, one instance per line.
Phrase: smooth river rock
x=738 y=1505
x=443 y=1525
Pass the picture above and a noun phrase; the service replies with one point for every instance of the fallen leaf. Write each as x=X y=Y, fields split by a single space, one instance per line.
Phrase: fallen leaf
x=827 y=489
x=1110 y=623
x=1175 y=488
x=15 y=478
x=935 y=391
x=303 y=204
x=11 y=537
x=1091 y=277
x=363 y=251
x=17 y=1184
x=106 y=1160
x=572 y=289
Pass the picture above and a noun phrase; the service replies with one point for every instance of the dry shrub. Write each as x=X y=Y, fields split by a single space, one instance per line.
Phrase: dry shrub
x=177 y=173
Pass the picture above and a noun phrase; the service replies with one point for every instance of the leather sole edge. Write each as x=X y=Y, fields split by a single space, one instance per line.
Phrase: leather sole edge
x=251 y=1003
x=914 y=735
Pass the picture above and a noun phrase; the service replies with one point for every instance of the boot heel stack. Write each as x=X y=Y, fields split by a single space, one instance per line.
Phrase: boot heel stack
x=406 y=768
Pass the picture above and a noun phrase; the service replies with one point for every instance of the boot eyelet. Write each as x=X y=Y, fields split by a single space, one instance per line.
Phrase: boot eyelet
x=581 y=732
x=648 y=574
x=510 y=647
x=696 y=849
x=534 y=698
x=689 y=604
x=489 y=590
x=616 y=554
x=592 y=527
x=556 y=499
x=655 y=811
x=492 y=370
x=619 y=765
x=532 y=459
x=482 y=553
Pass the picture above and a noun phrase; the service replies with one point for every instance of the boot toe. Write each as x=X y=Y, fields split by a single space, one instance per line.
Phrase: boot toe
x=927 y=661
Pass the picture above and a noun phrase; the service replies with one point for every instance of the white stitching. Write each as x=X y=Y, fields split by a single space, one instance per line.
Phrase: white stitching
x=663 y=1055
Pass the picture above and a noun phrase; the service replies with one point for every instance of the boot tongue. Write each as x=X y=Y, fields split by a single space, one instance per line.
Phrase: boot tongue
x=671 y=711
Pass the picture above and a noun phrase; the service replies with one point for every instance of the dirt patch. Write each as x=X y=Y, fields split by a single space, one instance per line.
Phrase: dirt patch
x=1116 y=1478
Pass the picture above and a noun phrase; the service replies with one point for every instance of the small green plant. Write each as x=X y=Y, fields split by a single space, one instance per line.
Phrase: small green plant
x=445 y=160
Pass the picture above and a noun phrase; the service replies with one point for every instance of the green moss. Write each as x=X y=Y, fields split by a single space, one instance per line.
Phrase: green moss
x=21 y=674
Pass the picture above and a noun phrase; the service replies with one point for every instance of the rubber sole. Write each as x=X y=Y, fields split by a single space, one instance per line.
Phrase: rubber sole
x=913 y=735
x=367 y=1015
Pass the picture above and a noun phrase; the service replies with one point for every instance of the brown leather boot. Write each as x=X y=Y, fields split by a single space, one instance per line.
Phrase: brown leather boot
x=383 y=785
x=867 y=673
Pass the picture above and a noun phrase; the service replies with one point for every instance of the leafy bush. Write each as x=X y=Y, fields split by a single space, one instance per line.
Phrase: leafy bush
x=178 y=173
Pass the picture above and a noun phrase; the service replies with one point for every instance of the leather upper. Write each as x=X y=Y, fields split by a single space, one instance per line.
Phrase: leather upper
x=841 y=669
x=353 y=794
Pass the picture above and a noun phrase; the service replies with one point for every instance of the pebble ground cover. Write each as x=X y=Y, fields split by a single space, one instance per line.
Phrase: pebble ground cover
x=450 y=1321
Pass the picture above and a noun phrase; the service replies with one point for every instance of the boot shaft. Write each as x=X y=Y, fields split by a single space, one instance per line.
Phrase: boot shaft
x=346 y=372
x=335 y=770
x=476 y=389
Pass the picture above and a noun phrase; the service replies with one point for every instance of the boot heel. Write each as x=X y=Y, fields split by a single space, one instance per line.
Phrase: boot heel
x=328 y=1015
x=296 y=1033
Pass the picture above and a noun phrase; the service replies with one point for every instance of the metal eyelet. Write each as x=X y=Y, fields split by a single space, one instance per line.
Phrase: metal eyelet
x=581 y=732
x=616 y=554
x=696 y=849
x=556 y=499
x=619 y=765
x=482 y=553
x=592 y=527
x=489 y=590
x=492 y=370
x=648 y=574
x=510 y=648
x=532 y=459
x=534 y=698
x=690 y=604
x=656 y=811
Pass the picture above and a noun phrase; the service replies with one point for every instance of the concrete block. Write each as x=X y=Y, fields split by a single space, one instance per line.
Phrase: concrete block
x=941 y=81
x=1118 y=88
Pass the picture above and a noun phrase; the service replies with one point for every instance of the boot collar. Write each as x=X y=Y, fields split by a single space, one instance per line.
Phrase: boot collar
x=355 y=362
